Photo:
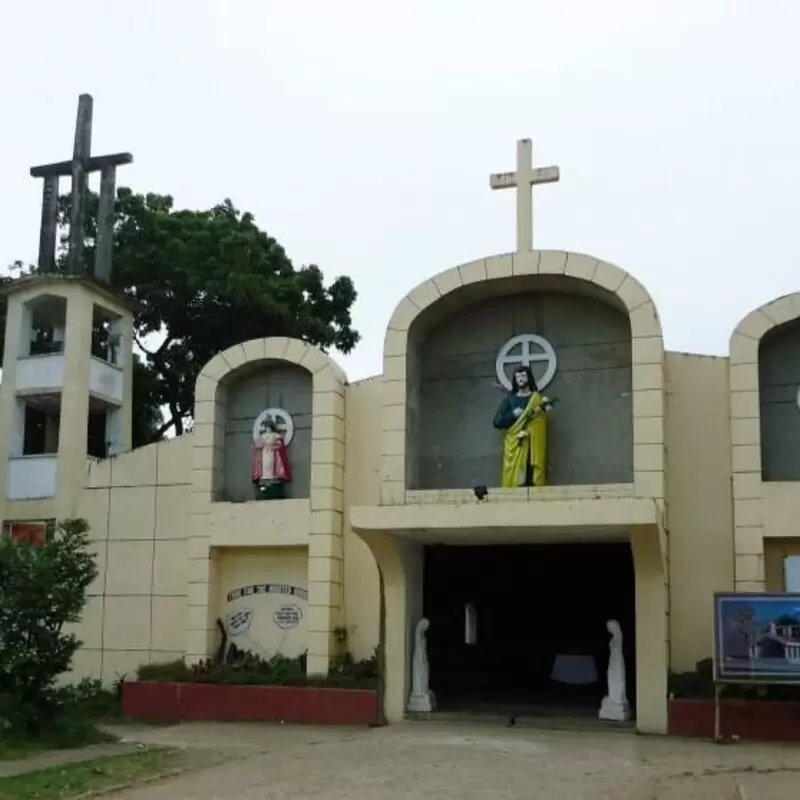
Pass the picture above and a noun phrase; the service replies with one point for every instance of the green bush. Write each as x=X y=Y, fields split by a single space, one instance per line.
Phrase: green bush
x=63 y=731
x=165 y=672
x=345 y=673
x=79 y=706
x=42 y=589
x=699 y=684
x=89 y=699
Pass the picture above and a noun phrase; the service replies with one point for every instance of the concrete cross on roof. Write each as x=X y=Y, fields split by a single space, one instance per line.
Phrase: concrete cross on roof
x=524 y=179
x=78 y=168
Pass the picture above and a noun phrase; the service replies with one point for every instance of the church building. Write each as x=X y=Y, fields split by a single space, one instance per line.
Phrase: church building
x=532 y=473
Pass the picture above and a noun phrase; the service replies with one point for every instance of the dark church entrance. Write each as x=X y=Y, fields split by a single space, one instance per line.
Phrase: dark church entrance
x=539 y=612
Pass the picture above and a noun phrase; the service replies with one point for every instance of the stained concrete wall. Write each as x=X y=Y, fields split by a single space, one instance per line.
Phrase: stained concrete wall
x=591 y=428
x=137 y=506
x=284 y=386
x=698 y=499
x=779 y=381
x=362 y=487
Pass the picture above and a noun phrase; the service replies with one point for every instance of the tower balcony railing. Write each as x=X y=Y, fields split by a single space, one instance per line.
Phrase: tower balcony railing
x=31 y=477
x=47 y=373
x=106 y=380
x=40 y=373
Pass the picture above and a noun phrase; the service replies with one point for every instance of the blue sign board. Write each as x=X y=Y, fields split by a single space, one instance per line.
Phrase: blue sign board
x=757 y=638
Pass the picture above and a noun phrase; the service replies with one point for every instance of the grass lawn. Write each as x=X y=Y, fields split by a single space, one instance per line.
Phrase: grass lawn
x=12 y=751
x=73 y=736
x=71 y=780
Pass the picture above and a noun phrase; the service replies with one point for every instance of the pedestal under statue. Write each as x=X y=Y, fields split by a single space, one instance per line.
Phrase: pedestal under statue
x=422 y=698
x=271 y=469
x=523 y=417
x=615 y=704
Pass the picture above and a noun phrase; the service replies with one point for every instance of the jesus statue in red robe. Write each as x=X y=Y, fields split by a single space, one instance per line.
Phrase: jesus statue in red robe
x=271 y=469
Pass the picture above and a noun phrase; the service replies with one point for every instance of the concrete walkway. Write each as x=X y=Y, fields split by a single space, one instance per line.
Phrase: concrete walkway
x=471 y=760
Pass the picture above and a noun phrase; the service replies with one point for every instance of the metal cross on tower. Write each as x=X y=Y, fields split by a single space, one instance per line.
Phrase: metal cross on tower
x=524 y=179
x=78 y=168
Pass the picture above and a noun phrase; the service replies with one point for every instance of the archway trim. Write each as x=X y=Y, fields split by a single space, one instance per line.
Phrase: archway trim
x=647 y=356
x=745 y=413
x=326 y=495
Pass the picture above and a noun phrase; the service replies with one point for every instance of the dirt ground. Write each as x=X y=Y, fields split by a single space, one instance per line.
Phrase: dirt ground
x=462 y=760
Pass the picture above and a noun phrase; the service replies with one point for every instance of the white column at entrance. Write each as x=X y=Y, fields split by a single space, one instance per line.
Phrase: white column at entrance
x=652 y=660
x=523 y=180
x=400 y=563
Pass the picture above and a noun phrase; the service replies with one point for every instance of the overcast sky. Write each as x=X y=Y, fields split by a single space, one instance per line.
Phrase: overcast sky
x=362 y=134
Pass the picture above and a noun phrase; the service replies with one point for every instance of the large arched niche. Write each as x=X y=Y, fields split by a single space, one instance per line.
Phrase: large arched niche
x=239 y=383
x=250 y=389
x=757 y=406
x=597 y=294
x=764 y=381
x=450 y=440
x=779 y=397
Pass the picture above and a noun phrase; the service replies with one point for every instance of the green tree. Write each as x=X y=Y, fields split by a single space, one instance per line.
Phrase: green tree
x=204 y=281
x=42 y=589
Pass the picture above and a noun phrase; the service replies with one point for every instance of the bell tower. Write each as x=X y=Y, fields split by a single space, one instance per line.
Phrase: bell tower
x=66 y=392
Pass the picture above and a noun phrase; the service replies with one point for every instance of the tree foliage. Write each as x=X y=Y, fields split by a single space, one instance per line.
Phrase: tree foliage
x=204 y=281
x=42 y=589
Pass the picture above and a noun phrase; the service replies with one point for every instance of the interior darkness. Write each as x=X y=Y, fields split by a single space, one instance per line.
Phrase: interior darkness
x=33 y=441
x=96 y=440
x=532 y=602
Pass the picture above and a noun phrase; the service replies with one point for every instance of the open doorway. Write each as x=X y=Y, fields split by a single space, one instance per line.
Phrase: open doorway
x=521 y=629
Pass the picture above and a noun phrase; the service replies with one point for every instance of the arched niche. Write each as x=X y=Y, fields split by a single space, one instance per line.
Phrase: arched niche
x=779 y=402
x=215 y=389
x=583 y=285
x=451 y=442
x=250 y=390
x=239 y=383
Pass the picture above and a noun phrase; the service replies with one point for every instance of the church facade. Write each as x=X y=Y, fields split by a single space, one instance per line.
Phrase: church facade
x=302 y=505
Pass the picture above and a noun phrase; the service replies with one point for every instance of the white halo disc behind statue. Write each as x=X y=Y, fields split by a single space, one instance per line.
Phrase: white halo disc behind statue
x=283 y=420
x=526 y=357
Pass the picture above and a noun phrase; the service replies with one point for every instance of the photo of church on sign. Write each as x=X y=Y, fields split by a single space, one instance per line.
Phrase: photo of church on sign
x=757 y=637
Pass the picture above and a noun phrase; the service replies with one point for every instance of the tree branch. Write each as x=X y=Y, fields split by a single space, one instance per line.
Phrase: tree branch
x=168 y=341
x=177 y=418
x=139 y=344
x=164 y=428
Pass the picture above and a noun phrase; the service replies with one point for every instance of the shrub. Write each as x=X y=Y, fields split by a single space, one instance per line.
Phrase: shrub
x=42 y=588
x=89 y=699
x=700 y=684
x=165 y=672
x=345 y=671
x=256 y=671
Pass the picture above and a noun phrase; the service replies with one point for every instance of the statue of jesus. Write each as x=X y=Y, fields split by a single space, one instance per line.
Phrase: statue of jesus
x=271 y=470
x=523 y=417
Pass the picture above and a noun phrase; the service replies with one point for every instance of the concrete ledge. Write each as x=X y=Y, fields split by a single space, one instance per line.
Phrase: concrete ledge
x=557 y=519
x=522 y=494
x=259 y=523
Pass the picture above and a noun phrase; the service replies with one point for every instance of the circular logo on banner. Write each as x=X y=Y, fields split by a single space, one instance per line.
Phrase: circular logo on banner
x=283 y=422
x=525 y=350
x=287 y=617
x=238 y=622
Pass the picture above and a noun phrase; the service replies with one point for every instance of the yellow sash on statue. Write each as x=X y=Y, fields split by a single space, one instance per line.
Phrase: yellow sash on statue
x=518 y=451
